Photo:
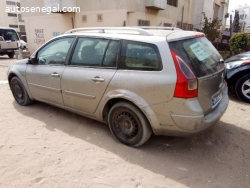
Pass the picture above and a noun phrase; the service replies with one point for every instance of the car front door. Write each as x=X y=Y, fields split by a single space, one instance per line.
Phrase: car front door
x=85 y=79
x=44 y=77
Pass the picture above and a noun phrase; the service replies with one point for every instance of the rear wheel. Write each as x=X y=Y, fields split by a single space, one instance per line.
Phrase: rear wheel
x=128 y=124
x=11 y=55
x=19 y=92
x=242 y=88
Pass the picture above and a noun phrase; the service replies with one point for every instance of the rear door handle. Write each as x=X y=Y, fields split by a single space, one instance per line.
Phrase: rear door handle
x=97 y=79
x=55 y=74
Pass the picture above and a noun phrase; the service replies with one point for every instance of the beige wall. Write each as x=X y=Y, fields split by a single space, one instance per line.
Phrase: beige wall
x=2 y=14
x=48 y=25
x=114 y=13
x=5 y=20
x=93 y=5
x=138 y=7
x=109 y=18
x=41 y=29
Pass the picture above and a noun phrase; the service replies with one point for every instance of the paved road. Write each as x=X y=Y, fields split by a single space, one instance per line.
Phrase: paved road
x=44 y=146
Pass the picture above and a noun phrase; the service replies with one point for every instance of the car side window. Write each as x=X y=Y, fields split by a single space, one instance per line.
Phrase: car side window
x=111 y=54
x=55 y=52
x=89 y=52
x=140 y=56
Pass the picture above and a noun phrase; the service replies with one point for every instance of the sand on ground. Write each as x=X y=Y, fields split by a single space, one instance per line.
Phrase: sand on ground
x=44 y=146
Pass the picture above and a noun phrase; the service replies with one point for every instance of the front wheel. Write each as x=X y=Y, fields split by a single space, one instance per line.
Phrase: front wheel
x=128 y=124
x=242 y=88
x=19 y=92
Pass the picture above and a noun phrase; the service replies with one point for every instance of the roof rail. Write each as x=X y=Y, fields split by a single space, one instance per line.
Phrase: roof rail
x=157 y=27
x=102 y=30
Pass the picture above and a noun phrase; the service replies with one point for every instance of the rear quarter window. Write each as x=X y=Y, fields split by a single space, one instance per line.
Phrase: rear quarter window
x=199 y=54
x=140 y=56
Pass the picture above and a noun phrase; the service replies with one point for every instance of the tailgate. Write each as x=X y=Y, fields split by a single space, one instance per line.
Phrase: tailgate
x=6 y=45
x=205 y=62
x=210 y=91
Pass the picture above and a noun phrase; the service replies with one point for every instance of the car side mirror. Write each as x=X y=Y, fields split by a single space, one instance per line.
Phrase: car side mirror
x=31 y=61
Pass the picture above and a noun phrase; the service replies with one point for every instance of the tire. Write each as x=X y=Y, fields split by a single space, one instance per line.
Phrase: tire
x=128 y=124
x=19 y=92
x=11 y=55
x=242 y=88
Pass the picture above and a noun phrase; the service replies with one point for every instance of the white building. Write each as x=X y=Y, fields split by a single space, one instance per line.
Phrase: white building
x=10 y=18
x=213 y=9
x=244 y=13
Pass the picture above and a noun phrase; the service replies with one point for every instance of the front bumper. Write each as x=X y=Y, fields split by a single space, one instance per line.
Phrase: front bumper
x=232 y=75
x=5 y=51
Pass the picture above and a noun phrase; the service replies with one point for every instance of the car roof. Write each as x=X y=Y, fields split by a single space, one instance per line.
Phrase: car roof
x=145 y=34
x=7 y=28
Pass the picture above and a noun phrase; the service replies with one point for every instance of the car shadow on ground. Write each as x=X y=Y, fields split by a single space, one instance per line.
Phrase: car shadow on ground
x=232 y=95
x=215 y=158
x=5 y=57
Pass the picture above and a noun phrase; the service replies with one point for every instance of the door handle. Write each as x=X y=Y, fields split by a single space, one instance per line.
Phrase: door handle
x=97 y=79
x=55 y=74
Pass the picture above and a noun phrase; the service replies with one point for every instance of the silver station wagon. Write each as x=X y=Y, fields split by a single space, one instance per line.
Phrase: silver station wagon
x=139 y=81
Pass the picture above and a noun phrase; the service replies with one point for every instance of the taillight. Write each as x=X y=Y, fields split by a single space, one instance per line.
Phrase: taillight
x=198 y=35
x=245 y=63
x=186 y=84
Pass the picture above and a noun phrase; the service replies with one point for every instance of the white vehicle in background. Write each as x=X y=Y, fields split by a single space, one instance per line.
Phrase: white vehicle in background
x=9 y=41
x=23 y=44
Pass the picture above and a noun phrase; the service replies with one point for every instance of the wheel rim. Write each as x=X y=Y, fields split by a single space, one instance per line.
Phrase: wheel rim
x=126 y=125
x=245 y=89
x=18 y=92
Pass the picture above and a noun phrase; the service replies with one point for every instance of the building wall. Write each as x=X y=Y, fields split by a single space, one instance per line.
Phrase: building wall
x=244 y=13
x=112 y=13
x=5 y=20
x=110 y=18
x=39 y=32
x=198 y=9
x=208 y=7
x=138 y=7
x=2 y=14
x=222 y=13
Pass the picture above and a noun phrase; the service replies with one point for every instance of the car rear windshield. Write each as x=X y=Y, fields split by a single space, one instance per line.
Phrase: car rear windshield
x=199 y=54
x=8 y=34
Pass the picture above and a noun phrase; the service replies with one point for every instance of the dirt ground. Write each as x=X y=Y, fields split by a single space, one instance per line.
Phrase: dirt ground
x=44 y=146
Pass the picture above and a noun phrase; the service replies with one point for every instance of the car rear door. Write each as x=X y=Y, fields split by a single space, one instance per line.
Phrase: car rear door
x=207 y=65
x=91 y=68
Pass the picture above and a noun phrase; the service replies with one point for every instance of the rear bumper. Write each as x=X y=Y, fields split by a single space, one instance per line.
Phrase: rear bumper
x=188 y=125
x=6 y=51
x=198 y=124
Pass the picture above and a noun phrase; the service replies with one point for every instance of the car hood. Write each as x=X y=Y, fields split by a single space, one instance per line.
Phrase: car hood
x=239 y=57
x=22 y=61
x=19 y=63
